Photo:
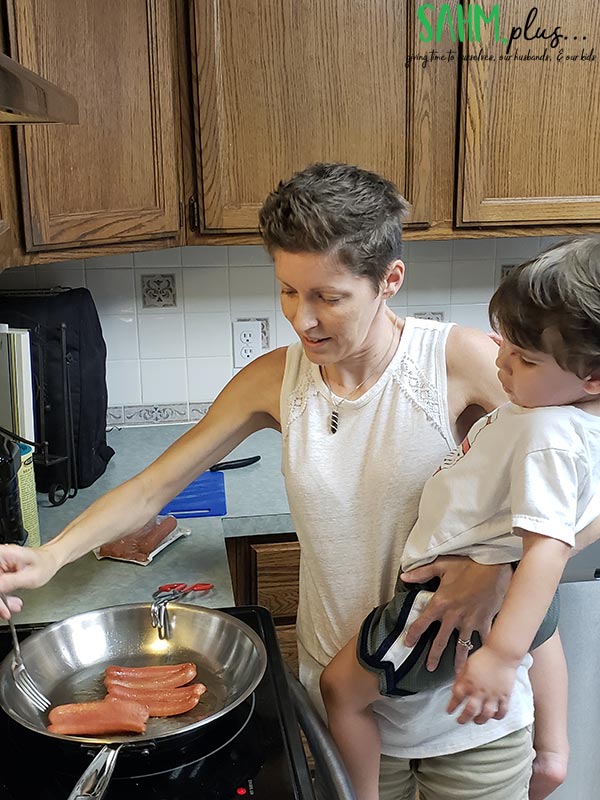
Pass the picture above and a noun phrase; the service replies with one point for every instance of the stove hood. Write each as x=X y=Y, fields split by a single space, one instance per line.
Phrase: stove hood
x=25 y=97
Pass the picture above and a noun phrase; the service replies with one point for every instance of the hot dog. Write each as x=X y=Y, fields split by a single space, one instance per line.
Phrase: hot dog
x=119 y=673
x=161 y=703
x=143 y=678
x=110 y=715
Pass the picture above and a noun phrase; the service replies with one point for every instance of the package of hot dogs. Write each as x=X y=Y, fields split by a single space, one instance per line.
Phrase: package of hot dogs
x=141 y=546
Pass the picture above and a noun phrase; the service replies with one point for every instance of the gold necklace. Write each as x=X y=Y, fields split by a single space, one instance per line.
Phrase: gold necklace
x=334 y=417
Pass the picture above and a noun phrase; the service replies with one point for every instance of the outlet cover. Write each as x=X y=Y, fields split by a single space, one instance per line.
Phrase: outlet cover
x=247 y=342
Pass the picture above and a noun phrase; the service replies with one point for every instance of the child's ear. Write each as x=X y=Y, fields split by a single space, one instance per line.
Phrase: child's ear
x=591 y=384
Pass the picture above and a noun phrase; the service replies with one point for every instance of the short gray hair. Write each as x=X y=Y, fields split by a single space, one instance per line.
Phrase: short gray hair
x=351 y=213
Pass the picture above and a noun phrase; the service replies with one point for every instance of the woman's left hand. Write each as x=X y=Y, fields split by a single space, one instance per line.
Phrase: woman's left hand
x=468 y=598
x=486 y=683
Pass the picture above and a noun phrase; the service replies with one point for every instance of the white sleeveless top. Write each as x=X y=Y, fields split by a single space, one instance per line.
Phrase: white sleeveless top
x=354 y=497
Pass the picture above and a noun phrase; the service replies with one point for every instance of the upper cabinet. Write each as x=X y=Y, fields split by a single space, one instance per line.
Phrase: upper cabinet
x=530 y=118
x=487 y=120
x=114 y=177
x=281 y=84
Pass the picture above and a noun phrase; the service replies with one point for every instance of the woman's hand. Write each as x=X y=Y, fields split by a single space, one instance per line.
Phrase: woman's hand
x=22 y=567
x=486 y=683
x=468 y=598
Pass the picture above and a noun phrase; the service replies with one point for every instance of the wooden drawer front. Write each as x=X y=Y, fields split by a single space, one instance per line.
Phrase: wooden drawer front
x=286 y=635
x=277 y=567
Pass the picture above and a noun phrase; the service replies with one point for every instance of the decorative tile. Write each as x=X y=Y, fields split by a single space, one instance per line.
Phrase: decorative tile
x=505 y=269
x=438 y=316
x=158 y=290
x=114 y=415
x=198 y=410
x=156 y=414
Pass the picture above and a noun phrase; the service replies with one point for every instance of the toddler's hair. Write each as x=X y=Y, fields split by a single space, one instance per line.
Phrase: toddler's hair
x=552 y=304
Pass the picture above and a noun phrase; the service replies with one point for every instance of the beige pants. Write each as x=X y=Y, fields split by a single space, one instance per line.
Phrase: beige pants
x=499 y=770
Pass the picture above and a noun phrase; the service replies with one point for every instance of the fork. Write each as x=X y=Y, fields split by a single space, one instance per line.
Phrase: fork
x=23 y=680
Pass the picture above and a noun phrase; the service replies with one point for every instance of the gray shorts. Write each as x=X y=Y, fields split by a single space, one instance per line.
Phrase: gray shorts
x=402 y=670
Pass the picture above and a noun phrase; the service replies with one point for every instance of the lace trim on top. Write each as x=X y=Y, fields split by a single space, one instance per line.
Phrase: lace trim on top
x=305 y=388
x=422 y=393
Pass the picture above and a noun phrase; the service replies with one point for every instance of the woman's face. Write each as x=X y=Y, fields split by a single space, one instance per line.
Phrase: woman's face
x=331 y=309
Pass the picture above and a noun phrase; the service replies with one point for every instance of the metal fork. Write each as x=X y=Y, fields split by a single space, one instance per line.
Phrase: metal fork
x=23 y=680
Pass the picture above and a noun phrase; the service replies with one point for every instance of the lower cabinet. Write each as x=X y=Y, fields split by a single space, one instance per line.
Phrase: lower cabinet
x=264 y=571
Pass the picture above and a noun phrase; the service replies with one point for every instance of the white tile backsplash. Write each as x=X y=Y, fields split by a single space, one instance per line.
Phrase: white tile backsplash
x=204 y=256
x=121 y=261
x=472 y=281
x=161 y=336
x=164 y=380
x=206 y=290
x=520 y=247
x=124 y=382
x=428 y=282
x=250 y=288
x=207 y=335
x=113 y=290
x=121 y=336
x=249 y=255
x=207 y=376
x=170 y=257
x=183 y=354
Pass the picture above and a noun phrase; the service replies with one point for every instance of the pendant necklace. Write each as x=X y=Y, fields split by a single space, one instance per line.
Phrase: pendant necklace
x=334 y=417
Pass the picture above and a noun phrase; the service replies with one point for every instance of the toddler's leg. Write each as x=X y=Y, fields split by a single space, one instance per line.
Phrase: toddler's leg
x=549 y=680
x=348 y=691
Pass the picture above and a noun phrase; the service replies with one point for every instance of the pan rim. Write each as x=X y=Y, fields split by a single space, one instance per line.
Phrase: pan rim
x=135 y=739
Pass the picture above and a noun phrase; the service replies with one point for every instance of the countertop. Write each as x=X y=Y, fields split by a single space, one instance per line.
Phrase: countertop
x=256 y=503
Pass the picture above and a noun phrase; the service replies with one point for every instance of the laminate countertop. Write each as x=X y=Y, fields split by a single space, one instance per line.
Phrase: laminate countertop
x=256 y=503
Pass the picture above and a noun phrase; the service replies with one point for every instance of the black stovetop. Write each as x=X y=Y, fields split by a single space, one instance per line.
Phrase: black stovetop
x=263 y=756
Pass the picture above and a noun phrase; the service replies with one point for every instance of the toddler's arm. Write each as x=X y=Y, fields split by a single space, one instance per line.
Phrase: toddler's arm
x=488 y=677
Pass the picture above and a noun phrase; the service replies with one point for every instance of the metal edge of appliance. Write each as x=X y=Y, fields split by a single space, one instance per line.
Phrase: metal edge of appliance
x=26 y=97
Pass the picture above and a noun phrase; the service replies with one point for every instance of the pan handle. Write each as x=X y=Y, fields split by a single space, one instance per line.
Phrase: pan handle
x=94 y=781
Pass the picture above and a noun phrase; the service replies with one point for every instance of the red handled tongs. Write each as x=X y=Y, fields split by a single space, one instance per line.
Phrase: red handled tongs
x=166 y=594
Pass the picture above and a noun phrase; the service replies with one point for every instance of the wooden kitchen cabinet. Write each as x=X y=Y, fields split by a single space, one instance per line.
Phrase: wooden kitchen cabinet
x=264 y=571
x=530 y=130
x=114 y=177
x=9 y=241
x=280 y=84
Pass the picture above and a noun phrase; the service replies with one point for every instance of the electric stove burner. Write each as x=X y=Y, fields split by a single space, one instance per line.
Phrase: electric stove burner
x=254 y=750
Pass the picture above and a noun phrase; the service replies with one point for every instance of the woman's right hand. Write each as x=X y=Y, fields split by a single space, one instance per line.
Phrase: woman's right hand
x=23 y=568
x=468 y=598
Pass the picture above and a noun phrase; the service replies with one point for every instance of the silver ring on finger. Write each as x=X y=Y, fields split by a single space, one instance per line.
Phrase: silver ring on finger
x=466 y=643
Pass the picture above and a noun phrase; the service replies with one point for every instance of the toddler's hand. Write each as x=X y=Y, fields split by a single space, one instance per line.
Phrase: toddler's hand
x=485 y=682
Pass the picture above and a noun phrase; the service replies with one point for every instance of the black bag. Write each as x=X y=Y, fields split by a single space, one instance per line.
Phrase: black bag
x=69 y=372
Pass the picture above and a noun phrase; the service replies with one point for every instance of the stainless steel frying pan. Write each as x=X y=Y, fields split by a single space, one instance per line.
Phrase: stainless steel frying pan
x=67 y=660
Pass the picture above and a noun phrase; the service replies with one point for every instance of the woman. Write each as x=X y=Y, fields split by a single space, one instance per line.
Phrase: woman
x=367 y=405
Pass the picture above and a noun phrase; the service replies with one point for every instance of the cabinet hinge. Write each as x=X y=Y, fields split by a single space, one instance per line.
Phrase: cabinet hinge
x=194 y=210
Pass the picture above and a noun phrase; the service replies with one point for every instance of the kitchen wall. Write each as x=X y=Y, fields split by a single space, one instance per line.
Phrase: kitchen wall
x=167 y=315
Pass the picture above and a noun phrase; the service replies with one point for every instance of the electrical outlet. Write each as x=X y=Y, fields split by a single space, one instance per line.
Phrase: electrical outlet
x=247 y=342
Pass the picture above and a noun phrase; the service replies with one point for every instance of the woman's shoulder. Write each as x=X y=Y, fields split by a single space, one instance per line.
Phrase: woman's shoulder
x=471 y=369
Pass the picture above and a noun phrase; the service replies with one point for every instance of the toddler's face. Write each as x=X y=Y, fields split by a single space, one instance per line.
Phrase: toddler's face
x=533 y=379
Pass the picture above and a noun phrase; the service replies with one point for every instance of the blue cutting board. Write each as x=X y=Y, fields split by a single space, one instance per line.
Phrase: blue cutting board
x=204 y=497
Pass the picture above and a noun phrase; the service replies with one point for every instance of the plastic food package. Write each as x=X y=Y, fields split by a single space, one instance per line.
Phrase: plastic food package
x=141 y=546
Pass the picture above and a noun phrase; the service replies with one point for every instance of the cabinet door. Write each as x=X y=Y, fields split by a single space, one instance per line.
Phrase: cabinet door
x=281 y=84
x=114 y=176
x=530 y=129
x=9 y=243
